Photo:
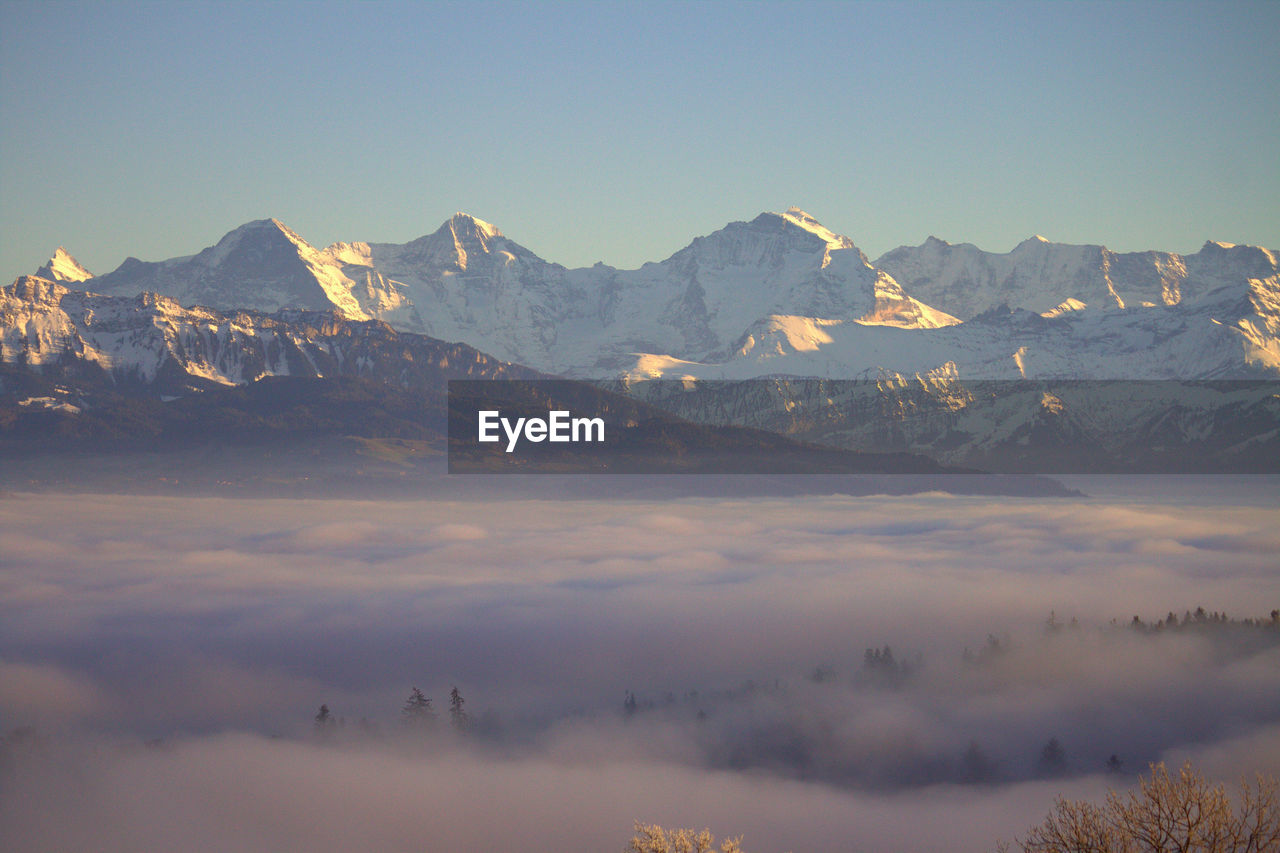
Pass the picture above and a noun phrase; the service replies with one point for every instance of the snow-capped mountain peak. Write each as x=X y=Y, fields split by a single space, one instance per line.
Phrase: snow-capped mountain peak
x=465 y=223
x=63 y=267
x=798 y=217
x=470 y=236
x=351 y=254
x=1257 y=260
x=457 y=244
x=261 y=265
x=255 y=236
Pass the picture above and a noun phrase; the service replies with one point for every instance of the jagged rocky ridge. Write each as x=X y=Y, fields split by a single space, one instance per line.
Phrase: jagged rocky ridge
x=151 y=341
x=1054 y=278
x=1055 y=426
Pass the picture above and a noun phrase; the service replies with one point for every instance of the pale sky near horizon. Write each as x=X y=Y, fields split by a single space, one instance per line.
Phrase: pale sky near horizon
x=621 y=131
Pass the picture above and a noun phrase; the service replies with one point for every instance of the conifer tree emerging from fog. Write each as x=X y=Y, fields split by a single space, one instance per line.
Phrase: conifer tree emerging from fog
x=457 y=716
x=417 y=711
x=323 y=720
x=1170 y=813
x=1053 y=758
x=975 y=766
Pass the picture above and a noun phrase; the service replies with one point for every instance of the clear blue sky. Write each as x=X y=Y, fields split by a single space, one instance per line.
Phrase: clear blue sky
x=619 y=131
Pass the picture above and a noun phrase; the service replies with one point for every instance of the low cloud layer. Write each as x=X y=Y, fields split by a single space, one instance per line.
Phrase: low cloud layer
x=246 y=793
x=287 y=796
x=740 y=627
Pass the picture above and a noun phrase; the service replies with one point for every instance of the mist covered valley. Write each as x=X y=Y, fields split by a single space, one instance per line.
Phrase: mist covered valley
x=871 y=673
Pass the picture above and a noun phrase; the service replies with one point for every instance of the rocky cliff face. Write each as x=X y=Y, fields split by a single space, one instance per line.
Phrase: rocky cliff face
x=153 y=340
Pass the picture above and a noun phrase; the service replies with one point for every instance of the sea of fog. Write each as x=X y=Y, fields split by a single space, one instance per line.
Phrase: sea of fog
x=818 y=673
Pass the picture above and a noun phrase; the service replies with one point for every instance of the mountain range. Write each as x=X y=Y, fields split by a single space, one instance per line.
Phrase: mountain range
x=84 y=371
x=777 y=295
x=778 y=298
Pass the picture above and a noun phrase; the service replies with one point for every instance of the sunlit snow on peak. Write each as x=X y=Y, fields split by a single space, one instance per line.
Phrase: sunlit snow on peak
x=796 y=216
x=63 y=267
x=471 y=223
